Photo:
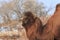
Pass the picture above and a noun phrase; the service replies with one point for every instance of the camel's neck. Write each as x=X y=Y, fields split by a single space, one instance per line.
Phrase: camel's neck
x=35 y=28
x=31 y=30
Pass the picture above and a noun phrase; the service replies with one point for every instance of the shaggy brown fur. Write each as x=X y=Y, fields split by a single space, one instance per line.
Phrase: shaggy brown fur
x=32 y=25
x=53 y=24
x=34 y=28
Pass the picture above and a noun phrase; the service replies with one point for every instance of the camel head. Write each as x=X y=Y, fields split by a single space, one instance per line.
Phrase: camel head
x=28 y=19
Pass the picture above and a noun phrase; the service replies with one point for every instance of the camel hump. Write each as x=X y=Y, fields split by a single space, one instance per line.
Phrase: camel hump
x=58 y=5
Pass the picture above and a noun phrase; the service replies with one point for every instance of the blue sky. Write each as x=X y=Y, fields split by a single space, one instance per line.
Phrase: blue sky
x=47 y=3
x=50 y=4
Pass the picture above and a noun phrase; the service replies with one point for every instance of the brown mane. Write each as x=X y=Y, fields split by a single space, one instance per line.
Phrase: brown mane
x=29 y=19
x=33 y=26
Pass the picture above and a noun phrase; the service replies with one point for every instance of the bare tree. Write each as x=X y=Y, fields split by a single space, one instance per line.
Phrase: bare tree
x=32 y=5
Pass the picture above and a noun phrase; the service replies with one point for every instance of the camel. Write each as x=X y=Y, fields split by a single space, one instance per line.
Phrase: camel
x=34 y=28
x=37 y=31
x=53 y=24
